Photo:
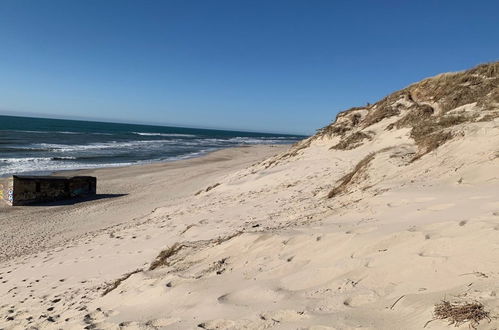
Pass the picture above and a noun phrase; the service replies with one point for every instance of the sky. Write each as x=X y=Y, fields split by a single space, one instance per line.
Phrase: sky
x=279 y=66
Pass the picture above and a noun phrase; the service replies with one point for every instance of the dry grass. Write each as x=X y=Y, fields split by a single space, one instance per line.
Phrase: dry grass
x=111 y=286
x=292 y=152
x=460 y=313
x=431 y=133
x=349 y=120
x=385 y=108
x=452 y=90
x=207 y=189
x=449 y=90
x=162 y=258
x=352 y=141
x=377 y=115
x=221 y=239
x=345 y=181
x=431 y=142
x=213 y=186
x=430 y=128
x=491 y=101
x=490 y=116
x=487 y=69
x=417 y=113
x=297 y=147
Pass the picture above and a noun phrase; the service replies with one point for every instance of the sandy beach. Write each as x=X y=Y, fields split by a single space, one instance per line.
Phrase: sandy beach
x=124 y=194
x=370 y=224
x=261 y=250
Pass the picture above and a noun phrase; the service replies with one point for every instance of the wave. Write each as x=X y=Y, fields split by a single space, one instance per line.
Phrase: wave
x=97 y=146
x=24 y=159
x=50 y=167
x=249 y=140
x=46 y=157
x=34 y=159
x=164 y=134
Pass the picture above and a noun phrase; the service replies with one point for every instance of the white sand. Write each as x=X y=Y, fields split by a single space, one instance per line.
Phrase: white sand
x=266 y=248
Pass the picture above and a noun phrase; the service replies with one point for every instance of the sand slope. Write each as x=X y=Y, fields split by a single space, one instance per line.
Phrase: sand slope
x=342 y=231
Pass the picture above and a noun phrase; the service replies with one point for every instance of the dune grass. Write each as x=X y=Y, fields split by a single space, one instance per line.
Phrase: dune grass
x=162 y=258
x=117 y=282
x=352 y=141
x=459 y=313
x=345 y=181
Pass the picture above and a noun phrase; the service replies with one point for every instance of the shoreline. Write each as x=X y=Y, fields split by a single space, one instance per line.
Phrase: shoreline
x=144 y=163
x=124 y=194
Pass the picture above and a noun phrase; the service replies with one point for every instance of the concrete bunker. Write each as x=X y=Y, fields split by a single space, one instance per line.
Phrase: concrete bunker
x=24 y=190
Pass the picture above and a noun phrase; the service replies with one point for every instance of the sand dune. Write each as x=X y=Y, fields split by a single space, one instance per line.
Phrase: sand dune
x=368 y=224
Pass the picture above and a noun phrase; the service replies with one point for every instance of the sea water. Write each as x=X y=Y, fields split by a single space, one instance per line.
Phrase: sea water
x=41 y=146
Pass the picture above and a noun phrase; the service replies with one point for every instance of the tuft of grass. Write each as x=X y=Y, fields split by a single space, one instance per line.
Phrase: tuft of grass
x=352 y=141
x=162 y=258
x=345 y=121
x=212 y=186
x=418 y=113
x=111 y=286
x=207 y=189
x=431 y=142
x=460 y=313
x=492 y=115
x=345 y=181
x=380 y=113
x=452 y=90
x=431 y=133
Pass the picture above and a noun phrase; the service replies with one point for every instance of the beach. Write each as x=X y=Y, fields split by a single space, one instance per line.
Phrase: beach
x=249 y=165
x=124 y=194
x=246 y=238
x=385 y=219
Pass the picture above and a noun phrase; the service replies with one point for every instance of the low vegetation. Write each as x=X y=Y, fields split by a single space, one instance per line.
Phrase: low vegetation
x=379 y=113
x=459 y=313
x=452 y=90
x=162 y=258
x=345 y=181
x=429 y=134
x=417 y=113
x=426 y=107
x=345 y=121
x=352 y=141
x=111 y=286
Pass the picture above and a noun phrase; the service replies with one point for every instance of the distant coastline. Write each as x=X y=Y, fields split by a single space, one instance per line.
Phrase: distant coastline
x=43 y=146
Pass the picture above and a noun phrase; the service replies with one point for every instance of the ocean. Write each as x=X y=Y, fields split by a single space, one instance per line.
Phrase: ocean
x=42 y=146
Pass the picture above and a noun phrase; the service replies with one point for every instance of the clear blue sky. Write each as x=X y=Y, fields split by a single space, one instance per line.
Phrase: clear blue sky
x=275 y=66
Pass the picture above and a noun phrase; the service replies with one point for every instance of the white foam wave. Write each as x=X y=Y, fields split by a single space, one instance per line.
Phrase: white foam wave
x=59 y=156
x=249 y=140
x=164 y=134
x=99 y=146
x=24 y=160
x=51 y=166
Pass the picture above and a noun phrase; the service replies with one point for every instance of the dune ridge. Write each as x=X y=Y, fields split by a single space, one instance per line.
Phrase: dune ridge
x=370 y=223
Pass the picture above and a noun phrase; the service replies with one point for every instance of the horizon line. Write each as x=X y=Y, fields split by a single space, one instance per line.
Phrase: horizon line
x=113 y=121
